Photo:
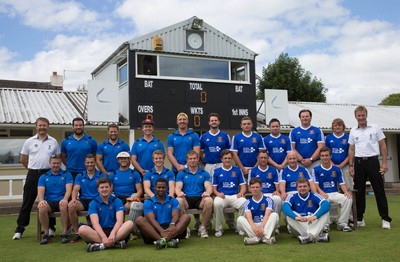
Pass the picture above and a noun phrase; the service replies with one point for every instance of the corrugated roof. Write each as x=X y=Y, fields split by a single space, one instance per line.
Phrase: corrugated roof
x=24 y=106
x=323 y=114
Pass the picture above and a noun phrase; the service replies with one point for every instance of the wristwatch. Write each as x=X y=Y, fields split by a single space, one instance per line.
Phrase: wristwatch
x=311 y=159
x=172 y=223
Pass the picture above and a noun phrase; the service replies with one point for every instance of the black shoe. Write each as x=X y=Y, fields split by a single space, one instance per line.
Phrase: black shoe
x=93 y=247
x=174 y=243
x=120 y=244
x=45 y=240
x=161 y=243
x=76 y=238
x=64 y=238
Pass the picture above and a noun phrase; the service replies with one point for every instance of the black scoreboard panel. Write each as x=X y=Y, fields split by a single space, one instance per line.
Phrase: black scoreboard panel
x=161 y=100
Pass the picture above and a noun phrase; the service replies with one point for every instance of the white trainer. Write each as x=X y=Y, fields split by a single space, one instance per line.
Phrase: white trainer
x=385 y=224
x=52 y=233
x=219 y=233
x=361 y=223
x=18 y=236
x=251 y=240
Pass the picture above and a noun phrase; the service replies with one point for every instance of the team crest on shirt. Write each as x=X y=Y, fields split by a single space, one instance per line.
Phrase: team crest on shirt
x=169 y=206
x=219 y=139
x=233 y=174
x=301 y=174
x=254 y=140
x=62 y=178
x=269 y=175
x=333 y=174
x=200 y=176
x=110 y=207
x=262 y=207
x=309 y=203
x=311 y=132
x=283 y=141
x=344 y=141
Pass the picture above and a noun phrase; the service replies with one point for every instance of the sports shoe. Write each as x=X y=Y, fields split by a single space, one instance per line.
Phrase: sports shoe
x=64 y=238
x=202 y=232
x=326 y=228
x=251 y=240
x=45 y=240
x=269 y=241
x=323 y=238
x=17 y=236
x=93 y=247
x=385 y=224
x=187 y=233
x=161 y=243
x=361 y=223
x=219 y=233
x=76 y=238
x=52 y=232
x=120 y=244
x=288 y=229
x=174 y=243
x=304 y=239
x=343 y=227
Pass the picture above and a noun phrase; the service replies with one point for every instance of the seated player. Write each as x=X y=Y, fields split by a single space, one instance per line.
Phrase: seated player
x=107 y=216
x=307 y=213
x=162 y=223
x=158 y=171
x=193 y=190
x=327 y=178
x=229 y=188
x=259 y=220
x=84 y=191
x=54 y=190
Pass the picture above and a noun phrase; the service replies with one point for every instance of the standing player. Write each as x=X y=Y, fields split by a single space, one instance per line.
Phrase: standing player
x=277 y=145
x=144 y=147
x=229 y=188
x=245 y=146
x=106 y=156
x=76 y=147
x=213 y=143
x=181 y=142
x=35 y=154
x=307 y=141
x=259 y=220
x=328 y=178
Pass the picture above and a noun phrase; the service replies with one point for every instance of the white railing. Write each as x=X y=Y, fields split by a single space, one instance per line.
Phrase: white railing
x=11 y=180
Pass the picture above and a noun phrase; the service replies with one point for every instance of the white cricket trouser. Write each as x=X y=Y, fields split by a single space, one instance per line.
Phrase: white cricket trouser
x=303 y=228
x=269 y=228
x=211 y=167
x=345 y=205
x=347 y=178
x=228 y=201
x=277 y=202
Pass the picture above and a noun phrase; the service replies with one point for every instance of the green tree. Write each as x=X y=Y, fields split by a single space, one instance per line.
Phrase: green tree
x=287 y=73
x=391 y=100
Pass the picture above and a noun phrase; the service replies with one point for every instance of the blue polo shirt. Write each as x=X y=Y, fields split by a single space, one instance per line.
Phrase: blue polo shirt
x=339 y=147
x=162 y=211
x=228 y=181
x=54 y=184
x=193 y=184
x=107 y=212
x=77 y=150
x=258 y=208
x=152 y=176
x=269 y=178
x=110 y=152
x=182 y=145
x=247 y=147
x=143 y=151
x=277 y=147
x=306 y=140
x=328 y=179
x=124 y=182
x=290 y=176
x=312 y=204
x=88 y=190
x=213 y=144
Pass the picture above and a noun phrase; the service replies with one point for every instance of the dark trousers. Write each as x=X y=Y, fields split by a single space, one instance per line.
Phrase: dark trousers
x=28 y=198
x=369 y=168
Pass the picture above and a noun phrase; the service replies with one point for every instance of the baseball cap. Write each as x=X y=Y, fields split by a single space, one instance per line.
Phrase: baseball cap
x=147 y=122
x=123 y=154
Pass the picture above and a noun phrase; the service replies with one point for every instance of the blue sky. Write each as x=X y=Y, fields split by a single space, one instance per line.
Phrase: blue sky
x=352 y=46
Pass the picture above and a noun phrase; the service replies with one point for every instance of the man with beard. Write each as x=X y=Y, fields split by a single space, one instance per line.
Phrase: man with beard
x=144 y=147
x=76 y=147
x=35 y=154
x=106 y=156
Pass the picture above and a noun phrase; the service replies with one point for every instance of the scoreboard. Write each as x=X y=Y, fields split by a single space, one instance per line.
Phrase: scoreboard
x=162 y=99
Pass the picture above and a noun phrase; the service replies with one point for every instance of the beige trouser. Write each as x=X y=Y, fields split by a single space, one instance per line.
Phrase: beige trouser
x=344 y=203
x=269 y=227
x=228 y=201
x=303 y=228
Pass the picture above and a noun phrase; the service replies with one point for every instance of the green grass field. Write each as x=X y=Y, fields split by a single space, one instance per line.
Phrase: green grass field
x=369 y=243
